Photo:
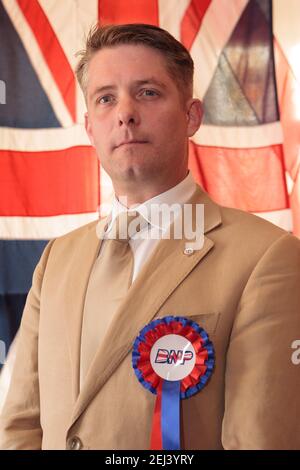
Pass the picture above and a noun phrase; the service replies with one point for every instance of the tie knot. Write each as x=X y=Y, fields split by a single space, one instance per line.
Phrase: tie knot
x=126 y=225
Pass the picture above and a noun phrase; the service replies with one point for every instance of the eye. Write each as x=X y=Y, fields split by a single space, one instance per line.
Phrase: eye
x=105 y=99
x=149 y=93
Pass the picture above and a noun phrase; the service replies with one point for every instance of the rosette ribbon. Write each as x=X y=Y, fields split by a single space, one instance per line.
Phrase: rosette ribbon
x=173 y=358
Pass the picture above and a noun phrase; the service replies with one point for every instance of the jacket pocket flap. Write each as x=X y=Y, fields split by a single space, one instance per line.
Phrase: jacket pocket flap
x=207 y=321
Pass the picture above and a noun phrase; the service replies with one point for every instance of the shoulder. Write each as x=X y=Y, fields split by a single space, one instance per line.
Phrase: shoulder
x=235 y=224
x=78 y=233
x=245 y=237
x=64 y=246
x=243 y=221
x=252 y=234
x=76 y=239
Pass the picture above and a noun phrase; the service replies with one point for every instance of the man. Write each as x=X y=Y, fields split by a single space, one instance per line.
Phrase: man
x=73 y=384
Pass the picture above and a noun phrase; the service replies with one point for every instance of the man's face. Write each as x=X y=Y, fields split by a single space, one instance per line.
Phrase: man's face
x=137 y=119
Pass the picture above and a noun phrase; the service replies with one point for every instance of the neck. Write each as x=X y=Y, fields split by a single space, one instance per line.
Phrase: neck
x=134 y=194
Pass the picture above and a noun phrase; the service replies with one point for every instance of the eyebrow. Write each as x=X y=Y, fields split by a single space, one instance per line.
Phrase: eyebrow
x=145 y=81
x=150 y=80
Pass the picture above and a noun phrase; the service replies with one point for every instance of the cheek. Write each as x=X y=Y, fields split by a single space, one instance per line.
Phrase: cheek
x=171 y=127
x=101 y=132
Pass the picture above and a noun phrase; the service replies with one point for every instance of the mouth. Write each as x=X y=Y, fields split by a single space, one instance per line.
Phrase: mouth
x=131 y=142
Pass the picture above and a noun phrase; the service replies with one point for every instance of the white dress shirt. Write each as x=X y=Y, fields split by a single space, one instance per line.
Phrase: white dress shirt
x=143 y=247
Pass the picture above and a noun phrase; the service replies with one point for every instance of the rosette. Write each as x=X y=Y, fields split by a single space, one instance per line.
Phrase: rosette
x=173 y=358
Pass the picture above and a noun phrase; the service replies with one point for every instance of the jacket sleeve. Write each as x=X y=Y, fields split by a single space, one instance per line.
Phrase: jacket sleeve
x=20 y=417
x=262 y=384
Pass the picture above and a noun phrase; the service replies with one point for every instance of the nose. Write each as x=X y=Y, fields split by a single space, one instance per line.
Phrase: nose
x=127 y=113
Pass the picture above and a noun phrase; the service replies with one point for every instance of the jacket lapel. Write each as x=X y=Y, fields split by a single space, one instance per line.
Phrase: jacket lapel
x=121 y=334
x=82 y=262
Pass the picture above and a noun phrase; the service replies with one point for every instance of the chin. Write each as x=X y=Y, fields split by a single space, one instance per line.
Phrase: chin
x=136 y=173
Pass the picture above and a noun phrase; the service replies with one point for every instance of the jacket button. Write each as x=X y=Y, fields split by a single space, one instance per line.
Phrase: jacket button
x=74 y=443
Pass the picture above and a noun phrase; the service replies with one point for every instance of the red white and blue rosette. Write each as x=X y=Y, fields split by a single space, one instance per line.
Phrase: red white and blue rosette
x=173 y=358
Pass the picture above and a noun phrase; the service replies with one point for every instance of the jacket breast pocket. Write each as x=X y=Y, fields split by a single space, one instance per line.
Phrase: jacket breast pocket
x=207 y=321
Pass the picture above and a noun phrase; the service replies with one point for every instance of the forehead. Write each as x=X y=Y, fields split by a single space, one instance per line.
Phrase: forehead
x=126 y=62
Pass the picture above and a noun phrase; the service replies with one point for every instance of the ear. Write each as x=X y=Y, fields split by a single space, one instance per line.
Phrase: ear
x=88 y=128
x=194 y=116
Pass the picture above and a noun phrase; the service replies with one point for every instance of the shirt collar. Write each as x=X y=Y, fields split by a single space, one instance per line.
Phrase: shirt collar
x=177 y=195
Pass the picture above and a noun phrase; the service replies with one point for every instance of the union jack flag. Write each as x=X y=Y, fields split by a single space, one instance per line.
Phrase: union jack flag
x=245 y=155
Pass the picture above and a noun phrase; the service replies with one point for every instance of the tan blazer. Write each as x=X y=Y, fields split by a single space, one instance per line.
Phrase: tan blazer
x=243 y=287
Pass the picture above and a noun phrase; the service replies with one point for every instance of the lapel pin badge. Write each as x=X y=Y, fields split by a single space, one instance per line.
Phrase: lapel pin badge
x=188 y=251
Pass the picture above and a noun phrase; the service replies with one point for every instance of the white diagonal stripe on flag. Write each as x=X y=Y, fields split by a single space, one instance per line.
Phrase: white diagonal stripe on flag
x=38 y=62
x=171 y=14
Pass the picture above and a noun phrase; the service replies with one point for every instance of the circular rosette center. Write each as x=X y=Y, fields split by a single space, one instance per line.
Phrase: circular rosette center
x=172 y=357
